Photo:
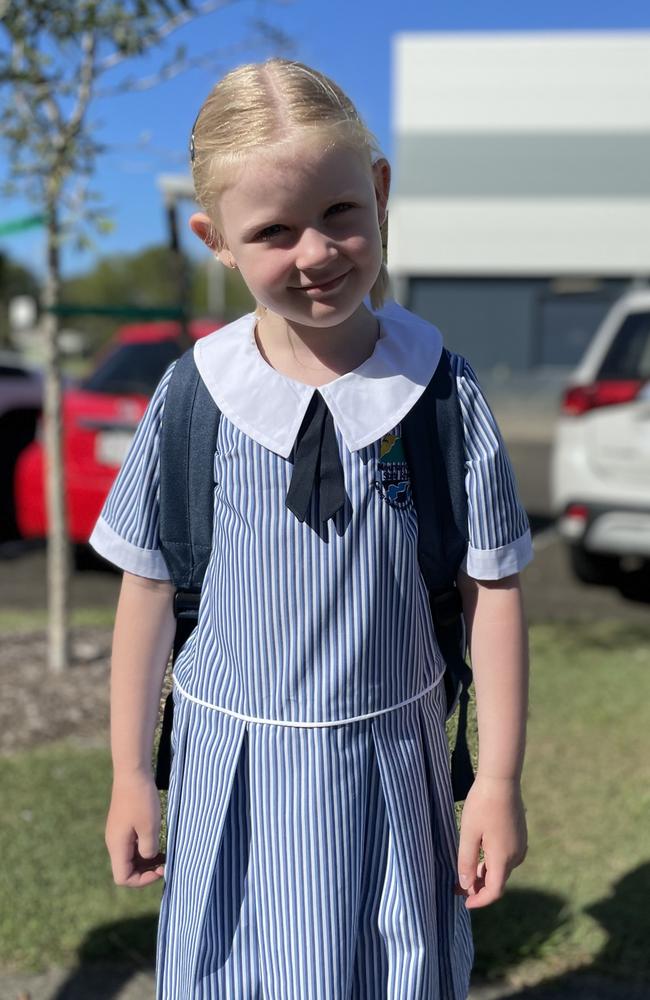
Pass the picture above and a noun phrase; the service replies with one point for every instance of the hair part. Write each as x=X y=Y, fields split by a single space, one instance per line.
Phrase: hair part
x=265 y=105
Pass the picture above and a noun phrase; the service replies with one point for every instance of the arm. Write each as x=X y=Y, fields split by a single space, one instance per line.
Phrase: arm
x=142 y=639
x=493 y=816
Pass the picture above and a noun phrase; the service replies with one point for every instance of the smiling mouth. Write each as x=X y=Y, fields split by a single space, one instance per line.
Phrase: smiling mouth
x=322 y=286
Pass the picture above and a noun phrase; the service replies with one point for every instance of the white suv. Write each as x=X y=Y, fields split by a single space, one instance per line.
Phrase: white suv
x=600 y=470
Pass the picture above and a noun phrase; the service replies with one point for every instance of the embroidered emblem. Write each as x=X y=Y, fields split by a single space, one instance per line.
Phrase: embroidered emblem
x=393 y=483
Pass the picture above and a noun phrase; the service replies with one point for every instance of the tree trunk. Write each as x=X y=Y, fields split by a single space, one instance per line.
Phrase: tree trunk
x=181 y=275
x=58 y=554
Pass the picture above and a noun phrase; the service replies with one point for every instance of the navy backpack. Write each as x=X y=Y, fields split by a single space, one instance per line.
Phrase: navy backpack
x=432 y=436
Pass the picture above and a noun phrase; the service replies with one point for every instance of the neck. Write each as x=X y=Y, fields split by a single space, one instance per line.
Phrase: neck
x=332 y=350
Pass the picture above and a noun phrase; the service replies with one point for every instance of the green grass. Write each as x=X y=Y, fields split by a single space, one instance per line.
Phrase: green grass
x=23 y=619
x=580 y=899
x=59 y=900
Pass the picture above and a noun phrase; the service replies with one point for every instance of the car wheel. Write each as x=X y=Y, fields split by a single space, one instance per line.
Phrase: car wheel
x=86 y=559
x=635 y=585
x=592 y=567
x=17 y=429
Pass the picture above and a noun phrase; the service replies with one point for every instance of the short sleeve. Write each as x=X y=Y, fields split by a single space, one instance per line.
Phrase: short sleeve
x=499 y=533
x=127 y=530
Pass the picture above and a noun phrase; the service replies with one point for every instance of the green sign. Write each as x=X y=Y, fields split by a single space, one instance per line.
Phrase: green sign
x=18 y=225
x=124 y=311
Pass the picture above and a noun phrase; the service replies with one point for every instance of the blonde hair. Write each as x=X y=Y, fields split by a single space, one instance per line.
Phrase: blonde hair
x=260 y=105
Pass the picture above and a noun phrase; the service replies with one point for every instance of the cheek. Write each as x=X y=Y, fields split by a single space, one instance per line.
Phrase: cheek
x=263 y=269
x=365 y=247
x=365 y=236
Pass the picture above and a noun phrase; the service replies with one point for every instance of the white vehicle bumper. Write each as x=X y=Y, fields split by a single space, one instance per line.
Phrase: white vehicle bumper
x=614 y=532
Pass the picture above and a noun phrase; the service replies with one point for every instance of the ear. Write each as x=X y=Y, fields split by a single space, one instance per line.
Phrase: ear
x=381 y=179
x=203 y=227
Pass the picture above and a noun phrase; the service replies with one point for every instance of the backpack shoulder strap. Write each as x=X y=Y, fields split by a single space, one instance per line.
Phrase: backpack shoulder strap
x=433 y=438
x=435 y=453
x=187 y=444
x=188 y=438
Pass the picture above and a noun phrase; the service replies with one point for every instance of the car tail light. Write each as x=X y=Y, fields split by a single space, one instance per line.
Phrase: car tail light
x=579 y=399
x=574 y=520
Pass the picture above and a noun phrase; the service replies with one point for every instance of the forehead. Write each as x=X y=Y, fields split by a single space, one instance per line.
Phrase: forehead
x=280 y=178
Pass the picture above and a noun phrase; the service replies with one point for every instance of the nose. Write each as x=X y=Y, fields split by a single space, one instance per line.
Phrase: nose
x=314 y=250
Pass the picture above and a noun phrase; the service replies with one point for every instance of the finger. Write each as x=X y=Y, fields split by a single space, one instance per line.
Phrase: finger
x=490 y=886
x=479 y=880
x=468 y=855
x=127 y=862
x=481 y=898
x=148 y=843
x=121 y=851
x=149 y=864
x=496 y=875
x=520 y=857
x=138 y=880
x=145 y=871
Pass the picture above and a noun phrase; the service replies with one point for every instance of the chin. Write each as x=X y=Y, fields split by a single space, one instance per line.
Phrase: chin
x=324 y=314
x=325 y=318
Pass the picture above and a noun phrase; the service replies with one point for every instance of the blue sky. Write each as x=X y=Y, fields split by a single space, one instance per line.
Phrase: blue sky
x=147 y=132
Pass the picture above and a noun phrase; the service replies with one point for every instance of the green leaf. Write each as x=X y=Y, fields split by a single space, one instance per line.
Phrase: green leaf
x=105 y=226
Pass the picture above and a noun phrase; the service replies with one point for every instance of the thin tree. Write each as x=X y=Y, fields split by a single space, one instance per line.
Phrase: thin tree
x=52 y=56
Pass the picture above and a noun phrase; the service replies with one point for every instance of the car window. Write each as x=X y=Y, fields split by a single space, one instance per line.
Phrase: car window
x=133 y=369
x=629 y=354
x=10 y=371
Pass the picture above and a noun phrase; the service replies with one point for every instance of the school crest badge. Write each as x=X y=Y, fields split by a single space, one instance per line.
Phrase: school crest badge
x=393 y=482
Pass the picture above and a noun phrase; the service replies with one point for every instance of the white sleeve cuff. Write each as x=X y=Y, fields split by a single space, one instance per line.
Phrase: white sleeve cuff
x=493 y=564
x=142 y=562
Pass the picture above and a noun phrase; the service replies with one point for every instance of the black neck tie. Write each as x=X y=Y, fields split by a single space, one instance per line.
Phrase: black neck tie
x=316 y=465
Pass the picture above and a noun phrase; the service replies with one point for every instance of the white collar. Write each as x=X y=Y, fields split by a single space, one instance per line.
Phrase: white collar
x=365 y=403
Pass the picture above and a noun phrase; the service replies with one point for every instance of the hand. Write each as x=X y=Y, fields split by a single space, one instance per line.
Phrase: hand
x=493 y=819
x=133 y=831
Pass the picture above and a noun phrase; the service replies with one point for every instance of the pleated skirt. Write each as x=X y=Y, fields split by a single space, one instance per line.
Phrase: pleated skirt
x=312 y=863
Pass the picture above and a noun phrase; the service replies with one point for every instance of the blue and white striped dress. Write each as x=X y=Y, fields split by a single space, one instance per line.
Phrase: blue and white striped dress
x=312 y=845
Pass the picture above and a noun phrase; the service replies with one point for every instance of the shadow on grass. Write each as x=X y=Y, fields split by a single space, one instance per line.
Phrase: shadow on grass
x=520 y=924
x=110 y=956
x=516 y=927
x=625 y=915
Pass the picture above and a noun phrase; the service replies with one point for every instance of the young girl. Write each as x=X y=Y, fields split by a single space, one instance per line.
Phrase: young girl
x=311 y=843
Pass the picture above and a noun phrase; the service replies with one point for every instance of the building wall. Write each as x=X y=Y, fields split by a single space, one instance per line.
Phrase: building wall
x=522 y=161
x=512 y=325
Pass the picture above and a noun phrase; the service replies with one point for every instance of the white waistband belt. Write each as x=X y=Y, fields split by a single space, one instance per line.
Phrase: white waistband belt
x=305 y=725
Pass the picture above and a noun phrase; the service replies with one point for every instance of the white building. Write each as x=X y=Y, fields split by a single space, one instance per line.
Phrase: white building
x=521 y=198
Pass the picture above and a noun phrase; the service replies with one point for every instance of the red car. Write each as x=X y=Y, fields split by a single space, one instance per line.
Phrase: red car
x=99 y=420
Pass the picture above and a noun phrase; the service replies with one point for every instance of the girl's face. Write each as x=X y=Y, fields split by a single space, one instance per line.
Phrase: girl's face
x=302 y=226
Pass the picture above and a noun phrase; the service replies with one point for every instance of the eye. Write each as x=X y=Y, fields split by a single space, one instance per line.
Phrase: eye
x=268 y=233
x=341 y=206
